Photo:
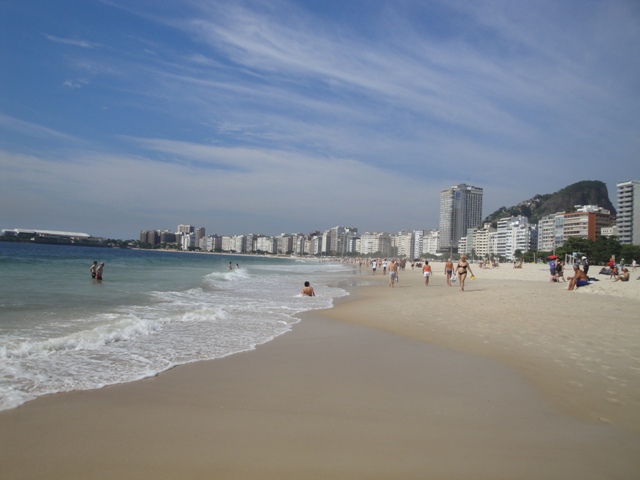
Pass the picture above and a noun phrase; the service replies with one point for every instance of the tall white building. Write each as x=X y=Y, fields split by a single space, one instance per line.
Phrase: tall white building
x=513 y=234
x=460 y=210
x=402 y=244
x=431 y=242
x=378 y=243
x=628 y=219
x=186 y=229
x=265 y=244
x=200 y=237
x=547 y=233
x=418 y=236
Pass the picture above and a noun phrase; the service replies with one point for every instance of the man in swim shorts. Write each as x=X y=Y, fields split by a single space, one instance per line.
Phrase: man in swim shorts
x=448 y=270
x=579 y=278
x=393 y=272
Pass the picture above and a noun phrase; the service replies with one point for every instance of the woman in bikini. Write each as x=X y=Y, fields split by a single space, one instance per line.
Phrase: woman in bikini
x=461 y=270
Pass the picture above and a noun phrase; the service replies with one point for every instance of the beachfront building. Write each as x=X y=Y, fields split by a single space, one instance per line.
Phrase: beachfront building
x=611 y=231
x=188 y=241
x=513 y=235
x=481 y=243
x=587 y=222
x=375 y=243
x=325 y=248
x=238 y=243
x=167 y=236
x=628 y=219
x=265 y=244
x=402 y=244
x=298 y=243
x=284 y=244
x=547 y=233
x=200 y=237
x=314 y=244
x=418 y=241
x=151 y=237
x=213 y=243
x=50 y=236
x=460 y=209
x=340 y=240
x=350 y=240
x=462 y=246
x=431 y=242
x=186 y=229
x=250 y=243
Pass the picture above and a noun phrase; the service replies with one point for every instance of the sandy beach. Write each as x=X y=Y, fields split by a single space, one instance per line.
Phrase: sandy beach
x=514 y=378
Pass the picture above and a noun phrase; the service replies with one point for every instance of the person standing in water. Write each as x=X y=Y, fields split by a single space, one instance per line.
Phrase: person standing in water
x=308 y=290
x=99 y=271
x=93 y=269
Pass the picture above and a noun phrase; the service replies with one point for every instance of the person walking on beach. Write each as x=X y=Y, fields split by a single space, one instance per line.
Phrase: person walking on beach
x=374 y=266
x=393 y=271
x=307 y=290
x=384 y=267
x=448 y=270
x=93 y=269
x=426 y=272
x=461 y=270
x=99 y=271
x=634 y=264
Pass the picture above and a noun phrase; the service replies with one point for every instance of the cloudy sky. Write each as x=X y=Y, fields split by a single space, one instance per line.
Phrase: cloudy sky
x=292 y=116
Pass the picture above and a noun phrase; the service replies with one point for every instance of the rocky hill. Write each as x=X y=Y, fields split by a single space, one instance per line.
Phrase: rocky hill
x=587 y=192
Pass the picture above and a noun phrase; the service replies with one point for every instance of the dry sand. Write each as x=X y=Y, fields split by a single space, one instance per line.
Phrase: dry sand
x=514 y=378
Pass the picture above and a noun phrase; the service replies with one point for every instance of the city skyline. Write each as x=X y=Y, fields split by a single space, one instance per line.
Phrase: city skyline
x=286 y=115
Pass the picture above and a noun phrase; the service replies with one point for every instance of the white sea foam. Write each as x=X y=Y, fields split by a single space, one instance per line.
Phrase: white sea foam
x=99 y=335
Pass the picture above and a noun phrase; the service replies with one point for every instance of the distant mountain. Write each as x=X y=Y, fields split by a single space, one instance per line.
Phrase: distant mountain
x=587 y=192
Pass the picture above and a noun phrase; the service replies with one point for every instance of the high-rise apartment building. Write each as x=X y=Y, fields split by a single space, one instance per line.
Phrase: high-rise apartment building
x=460 y=209
x=186 y=229
x=628 y=219
x=200 y=237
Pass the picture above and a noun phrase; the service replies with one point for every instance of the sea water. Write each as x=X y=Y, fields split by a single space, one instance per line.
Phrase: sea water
x=61 y=330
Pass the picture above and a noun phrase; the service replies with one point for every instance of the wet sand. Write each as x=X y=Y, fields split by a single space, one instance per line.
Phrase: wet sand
x=410 y=382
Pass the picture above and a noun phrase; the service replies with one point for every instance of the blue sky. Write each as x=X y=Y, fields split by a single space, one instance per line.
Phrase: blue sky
x=291 y=116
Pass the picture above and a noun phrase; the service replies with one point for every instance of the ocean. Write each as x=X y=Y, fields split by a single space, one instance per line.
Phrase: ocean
x=61 y=330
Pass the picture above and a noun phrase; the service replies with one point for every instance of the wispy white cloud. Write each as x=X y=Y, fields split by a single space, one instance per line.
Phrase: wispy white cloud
x=29 y=129
x=71 y=41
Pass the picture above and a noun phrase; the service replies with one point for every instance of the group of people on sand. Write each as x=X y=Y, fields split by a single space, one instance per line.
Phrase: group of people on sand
x=462 y=269
x=96 y=270
x=619 y=272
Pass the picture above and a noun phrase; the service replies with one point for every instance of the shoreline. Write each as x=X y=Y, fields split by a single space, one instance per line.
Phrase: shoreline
x=340 y=397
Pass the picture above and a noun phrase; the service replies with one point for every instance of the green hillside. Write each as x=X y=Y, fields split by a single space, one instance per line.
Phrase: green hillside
x=586 y=192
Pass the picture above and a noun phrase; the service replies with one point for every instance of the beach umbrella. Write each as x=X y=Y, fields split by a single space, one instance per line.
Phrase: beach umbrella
x=552 y=257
